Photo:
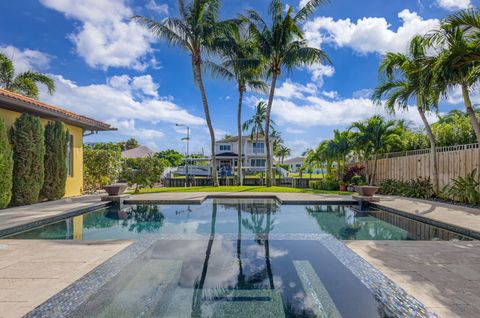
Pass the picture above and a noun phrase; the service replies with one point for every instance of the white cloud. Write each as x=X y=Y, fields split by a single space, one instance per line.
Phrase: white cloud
x=454 y=4
x=27 y=59
x=319 y=71
x=127 y=128
x=369 y=34
x=106 y=37
x=120 y=98
x=294 y=131
x=289 y=89
x=158 y=8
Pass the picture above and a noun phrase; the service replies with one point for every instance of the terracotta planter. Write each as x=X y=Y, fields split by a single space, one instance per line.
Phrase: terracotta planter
x=115 y=189
x=343 y=187
x=366 y=191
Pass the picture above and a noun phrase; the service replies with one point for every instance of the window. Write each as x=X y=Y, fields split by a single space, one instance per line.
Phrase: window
x=225 y=147
x=257 y=162
x=258 y=147
x=70 y=156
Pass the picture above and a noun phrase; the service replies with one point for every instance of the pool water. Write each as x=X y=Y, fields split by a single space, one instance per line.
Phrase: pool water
x=254 y=216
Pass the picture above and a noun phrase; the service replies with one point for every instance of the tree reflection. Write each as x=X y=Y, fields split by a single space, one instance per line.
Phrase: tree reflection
x=140 y=218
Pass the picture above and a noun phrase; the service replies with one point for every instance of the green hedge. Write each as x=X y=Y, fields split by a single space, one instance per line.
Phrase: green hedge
x=328 y=184
x=56 y=141
x=6 y=167
x=101 y=166
x=418 y=188
x=26 y=136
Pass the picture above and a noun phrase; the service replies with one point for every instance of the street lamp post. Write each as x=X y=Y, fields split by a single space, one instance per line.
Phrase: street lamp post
x=187 y=139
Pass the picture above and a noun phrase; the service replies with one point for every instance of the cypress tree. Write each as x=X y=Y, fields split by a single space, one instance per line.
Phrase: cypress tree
x=55 y=161
x=26 y=136
x=6 y=167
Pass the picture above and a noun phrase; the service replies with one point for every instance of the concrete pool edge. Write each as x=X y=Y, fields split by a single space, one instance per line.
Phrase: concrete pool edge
x=393 y=299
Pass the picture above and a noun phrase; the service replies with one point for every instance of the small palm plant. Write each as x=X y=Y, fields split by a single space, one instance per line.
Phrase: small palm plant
x=282 y=45
x=25 y=83
x=195 y=31
x=256 y=123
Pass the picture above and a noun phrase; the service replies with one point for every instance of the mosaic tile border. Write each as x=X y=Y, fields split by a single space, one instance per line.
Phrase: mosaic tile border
x=394 y=300
x=52 y=219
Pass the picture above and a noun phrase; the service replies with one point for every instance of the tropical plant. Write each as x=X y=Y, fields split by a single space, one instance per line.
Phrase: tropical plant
x=195 y=31
x=457 y=64
x=241 y=63
x=6 y=167
x=376 y=136
x=282 y=45
x=282 y=151
x=131 y=143
x=24 y=83
x=406 y=77
x=466 y=189
x=101 y=166
x=338 y=149
x=56 y=141
x=415 y=188
x=27 y=138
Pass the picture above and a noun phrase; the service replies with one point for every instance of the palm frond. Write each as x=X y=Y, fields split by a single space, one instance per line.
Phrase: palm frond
x=308 y=9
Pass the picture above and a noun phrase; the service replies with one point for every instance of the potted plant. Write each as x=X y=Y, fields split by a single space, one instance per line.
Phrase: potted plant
x=366 y=191
x=343 y=186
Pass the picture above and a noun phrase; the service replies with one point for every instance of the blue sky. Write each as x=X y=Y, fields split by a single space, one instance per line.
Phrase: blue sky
x=109 y=68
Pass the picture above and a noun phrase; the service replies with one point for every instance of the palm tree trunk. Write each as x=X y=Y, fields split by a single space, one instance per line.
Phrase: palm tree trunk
x=267 y=128
x=470 y=112
x=374 y=172
x=198 y=77
x=240 y=139
x=433 y=150
x=267 y=253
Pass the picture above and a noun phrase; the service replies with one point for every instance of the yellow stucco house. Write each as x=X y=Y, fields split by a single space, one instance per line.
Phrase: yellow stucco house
x=12 y=105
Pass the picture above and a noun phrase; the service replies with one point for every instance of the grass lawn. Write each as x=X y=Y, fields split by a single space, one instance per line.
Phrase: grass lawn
x=239 y=189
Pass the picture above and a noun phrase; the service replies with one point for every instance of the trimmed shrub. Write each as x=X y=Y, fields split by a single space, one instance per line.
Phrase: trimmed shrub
x=144 y=172
x=26 y=136
x=285 y=166
x=56 y=141
x=6 y=167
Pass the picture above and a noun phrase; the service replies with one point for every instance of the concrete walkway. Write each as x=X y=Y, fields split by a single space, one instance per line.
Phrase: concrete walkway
x=455 y=215
x=15 y=218
x=444 y=276
x=31 y=271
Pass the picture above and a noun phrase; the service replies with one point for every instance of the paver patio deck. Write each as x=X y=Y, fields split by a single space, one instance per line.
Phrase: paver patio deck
x=31 y=271
x=445 y=276
x=459 y=216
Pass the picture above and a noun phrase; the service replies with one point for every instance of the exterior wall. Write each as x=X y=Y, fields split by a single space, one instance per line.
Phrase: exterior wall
x=74 y=184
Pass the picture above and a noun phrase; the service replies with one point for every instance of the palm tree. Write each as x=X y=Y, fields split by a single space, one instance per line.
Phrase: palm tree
x=242 y=64
x=256 y=123
x=377 y=136
x=282 y=152
x=194 y=31
x=455 y=66
x=338 y=149
x=24 y=83
x=283 y=46
x=405 y=77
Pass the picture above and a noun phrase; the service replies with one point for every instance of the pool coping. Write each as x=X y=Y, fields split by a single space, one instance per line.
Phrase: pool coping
x=446 y=226
x=395 y=301
x=51 y=219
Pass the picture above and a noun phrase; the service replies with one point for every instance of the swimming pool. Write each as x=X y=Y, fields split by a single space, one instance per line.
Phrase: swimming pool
x=230 y=258
x=250 y=217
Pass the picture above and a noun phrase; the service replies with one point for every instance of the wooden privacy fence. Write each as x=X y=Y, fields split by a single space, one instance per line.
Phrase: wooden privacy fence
x=452 y=162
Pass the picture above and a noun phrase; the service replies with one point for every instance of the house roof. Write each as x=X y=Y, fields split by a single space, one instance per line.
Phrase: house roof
x=139 y=152
x=294 y=159
x=19 y=103
x=235 y=138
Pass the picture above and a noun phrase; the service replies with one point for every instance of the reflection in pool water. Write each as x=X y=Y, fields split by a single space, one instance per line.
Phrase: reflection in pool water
x=257 y=217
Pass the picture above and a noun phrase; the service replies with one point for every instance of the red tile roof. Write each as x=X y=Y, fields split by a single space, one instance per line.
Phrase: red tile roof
x=20 y=103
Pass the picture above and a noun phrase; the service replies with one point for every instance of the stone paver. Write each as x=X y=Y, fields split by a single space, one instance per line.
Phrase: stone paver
x=18 y=216
x=467 y=218
x=199 y=197
x=445 y=276
x=31 y=271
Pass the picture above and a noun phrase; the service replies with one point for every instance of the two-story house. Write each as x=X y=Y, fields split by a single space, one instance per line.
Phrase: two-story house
x=254 y=154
